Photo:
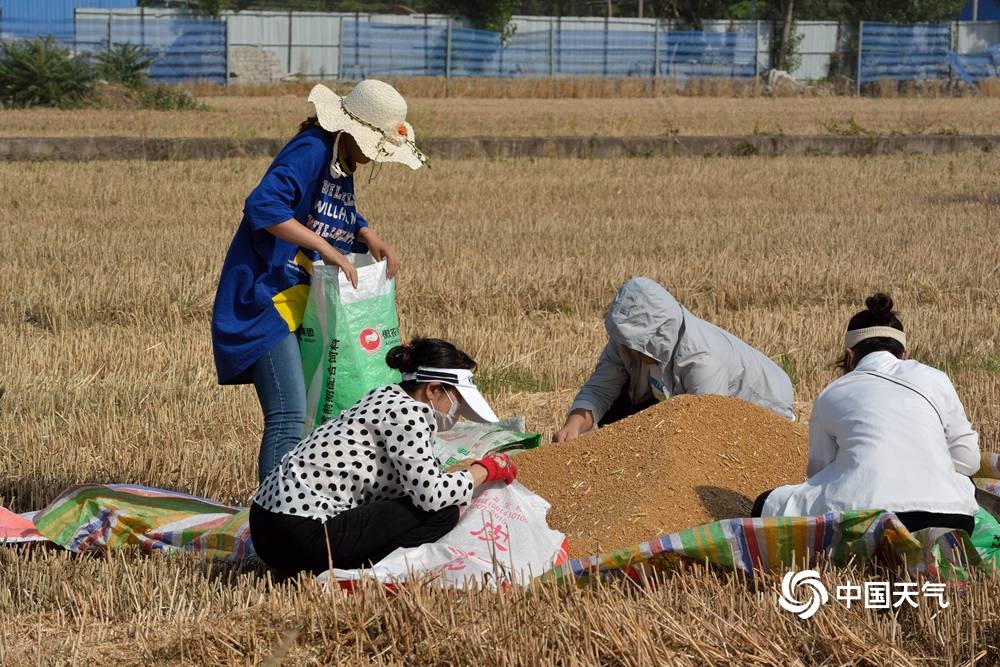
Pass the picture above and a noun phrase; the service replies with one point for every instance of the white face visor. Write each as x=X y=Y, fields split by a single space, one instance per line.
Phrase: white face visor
x=474 y=407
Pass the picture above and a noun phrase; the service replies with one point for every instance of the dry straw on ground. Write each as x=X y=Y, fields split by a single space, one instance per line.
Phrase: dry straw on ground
x=61 y=610
x=278 y=116
x=105 y=367
x=180 y=611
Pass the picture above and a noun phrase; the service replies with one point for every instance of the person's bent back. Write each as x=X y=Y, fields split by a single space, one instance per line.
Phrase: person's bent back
x=656 y=349
x=890 y=434
x=367 y=482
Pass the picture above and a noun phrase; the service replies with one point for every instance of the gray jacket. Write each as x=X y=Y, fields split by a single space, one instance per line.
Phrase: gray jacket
x=693 y=356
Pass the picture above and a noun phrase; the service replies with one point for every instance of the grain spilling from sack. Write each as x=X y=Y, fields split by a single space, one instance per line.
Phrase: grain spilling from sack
x=686 y=461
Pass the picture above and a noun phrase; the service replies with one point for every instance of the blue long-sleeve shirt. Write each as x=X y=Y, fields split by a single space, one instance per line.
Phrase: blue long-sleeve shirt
x=264 y=282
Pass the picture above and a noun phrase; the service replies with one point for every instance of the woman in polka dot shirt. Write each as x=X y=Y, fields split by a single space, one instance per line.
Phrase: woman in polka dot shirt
x=367 y=482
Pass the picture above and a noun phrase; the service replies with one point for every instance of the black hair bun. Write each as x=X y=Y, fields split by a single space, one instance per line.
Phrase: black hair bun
x=401 y=358
x=428 y=353
x=880 y=305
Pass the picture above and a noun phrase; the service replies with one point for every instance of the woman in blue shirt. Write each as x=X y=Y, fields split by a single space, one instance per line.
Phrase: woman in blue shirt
x=302 y=210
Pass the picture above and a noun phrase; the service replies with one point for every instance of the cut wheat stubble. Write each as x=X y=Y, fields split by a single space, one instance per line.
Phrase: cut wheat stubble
x=683 y=462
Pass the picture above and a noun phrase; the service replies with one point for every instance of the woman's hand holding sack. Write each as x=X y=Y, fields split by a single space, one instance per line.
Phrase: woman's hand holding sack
x=499 y=467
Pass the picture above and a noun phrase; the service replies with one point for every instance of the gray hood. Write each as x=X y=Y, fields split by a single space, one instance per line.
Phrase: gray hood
x=645 y=317
x=694 y=356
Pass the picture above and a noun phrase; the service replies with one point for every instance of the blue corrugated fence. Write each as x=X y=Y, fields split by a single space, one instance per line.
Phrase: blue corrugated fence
x=30 y=18
x=372 y=49
x=920 y=52
x=189 y=48
x=904 y=52
x=974 y=67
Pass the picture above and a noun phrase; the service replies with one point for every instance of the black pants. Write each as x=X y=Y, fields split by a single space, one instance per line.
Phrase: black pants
x=913 y=521
x=624 y=407
x=352 y=539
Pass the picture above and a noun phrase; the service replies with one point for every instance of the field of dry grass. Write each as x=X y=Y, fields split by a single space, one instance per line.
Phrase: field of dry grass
x=106 y=375
x=278 y=116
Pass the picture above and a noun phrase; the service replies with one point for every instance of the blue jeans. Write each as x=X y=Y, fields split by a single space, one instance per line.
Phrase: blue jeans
x=281 y=390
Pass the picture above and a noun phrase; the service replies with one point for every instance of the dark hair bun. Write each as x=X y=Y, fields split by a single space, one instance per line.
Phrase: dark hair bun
x=429 y=353
x=880 y=305
x=878 y=312
x=401 y=358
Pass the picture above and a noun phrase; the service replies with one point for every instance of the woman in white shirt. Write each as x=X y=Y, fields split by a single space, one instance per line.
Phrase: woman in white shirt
x=890 y=434
x=367 y=482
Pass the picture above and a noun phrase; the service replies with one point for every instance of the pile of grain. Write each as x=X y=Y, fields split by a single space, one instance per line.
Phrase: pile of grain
x=683 y=462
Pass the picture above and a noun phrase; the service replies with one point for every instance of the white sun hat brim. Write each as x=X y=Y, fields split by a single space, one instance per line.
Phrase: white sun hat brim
x=378 y=145
x=474 y=407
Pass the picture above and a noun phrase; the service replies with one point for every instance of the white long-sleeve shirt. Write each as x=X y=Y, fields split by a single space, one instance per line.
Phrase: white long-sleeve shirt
x=379 y=449
x=877 y=444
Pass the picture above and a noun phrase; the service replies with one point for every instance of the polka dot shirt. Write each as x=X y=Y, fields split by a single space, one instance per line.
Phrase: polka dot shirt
x=377 y=450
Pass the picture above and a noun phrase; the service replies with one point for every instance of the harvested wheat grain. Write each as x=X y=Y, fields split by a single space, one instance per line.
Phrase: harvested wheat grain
x=683 y=462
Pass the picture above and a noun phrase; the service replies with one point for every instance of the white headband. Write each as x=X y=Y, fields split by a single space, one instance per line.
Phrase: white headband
x=855 y=336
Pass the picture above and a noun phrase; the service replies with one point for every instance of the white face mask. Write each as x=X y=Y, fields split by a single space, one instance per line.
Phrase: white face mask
x=445 y=420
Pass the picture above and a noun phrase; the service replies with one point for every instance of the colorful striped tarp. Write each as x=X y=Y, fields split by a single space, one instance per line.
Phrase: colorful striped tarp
x=774 y=543
x=15 y=528
x=988 y=477
x=93 y=517
x=771 y=544
x=96 y=517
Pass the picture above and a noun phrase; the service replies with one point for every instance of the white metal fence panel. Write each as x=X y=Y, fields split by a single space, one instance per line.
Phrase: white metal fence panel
x=977 y=37
x=817 y=44
x=437 y=20
x=265 y=32
x=765 y=33
x=316 y=44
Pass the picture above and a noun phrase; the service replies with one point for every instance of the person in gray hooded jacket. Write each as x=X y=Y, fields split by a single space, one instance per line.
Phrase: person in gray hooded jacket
x=657 y=349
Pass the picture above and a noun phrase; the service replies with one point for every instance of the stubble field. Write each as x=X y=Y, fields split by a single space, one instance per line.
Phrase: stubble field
x=106 y=375
x=277 y=115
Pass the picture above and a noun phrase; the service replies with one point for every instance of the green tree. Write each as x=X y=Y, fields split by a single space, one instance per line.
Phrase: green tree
x=785 y=51
x=492 y=15
x=40 y=73
x=693 y=12
x=902 y=11
x=852 y=11
x=212 y=7
x=124 y=63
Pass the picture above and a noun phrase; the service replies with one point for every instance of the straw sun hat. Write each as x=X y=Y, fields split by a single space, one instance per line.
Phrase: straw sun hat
x=374 y=113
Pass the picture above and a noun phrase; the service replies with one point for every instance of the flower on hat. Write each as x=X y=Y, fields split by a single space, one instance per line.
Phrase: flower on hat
x=398 y=135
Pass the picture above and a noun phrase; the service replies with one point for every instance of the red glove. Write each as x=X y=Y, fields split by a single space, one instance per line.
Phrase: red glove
x=498 y=467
